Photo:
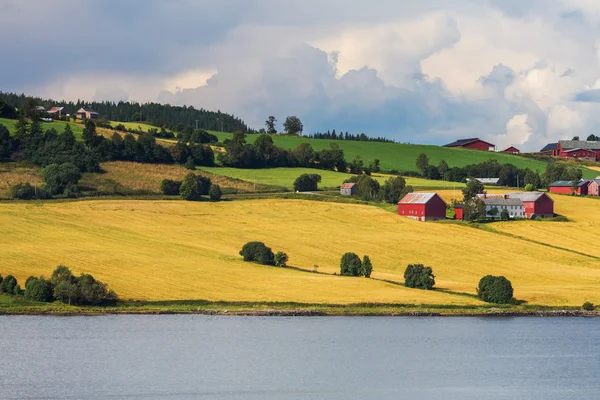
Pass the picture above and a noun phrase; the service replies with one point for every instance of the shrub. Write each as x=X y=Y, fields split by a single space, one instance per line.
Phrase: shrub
x=529 y=187
x=587 y=306
x=23 y=191
x=190 y=187
x=504 y=216
x=214 y=193
x=39 y=289
x=394 y=189
x=350 y=265
x=8 y=285
x=205 y=184
x=366 y=267
x=495 y=289
x=93 y=292
x=258 y=252
x=170 y=187
x=190 y=164
x=65 y=285
x=419 y=276
x=281 y=259
x=57 y=177
x=307 y=182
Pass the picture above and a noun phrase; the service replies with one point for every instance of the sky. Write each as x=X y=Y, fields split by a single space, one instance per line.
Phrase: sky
x=514 y=72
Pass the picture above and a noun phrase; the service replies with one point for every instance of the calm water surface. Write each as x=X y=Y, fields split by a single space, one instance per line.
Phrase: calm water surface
x=204 y=357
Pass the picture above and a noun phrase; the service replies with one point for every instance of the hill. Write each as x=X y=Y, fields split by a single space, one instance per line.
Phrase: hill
x=58 y=125
x=185 y=250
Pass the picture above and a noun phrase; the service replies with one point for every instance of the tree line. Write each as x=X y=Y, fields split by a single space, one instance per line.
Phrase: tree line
x=331 y=135
x=161 y=115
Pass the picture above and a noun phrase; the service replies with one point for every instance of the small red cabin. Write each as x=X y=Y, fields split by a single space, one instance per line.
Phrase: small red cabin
x=422 y=206
x=537 y=204
x=511 y=150
x=566 y=187
x=458 y=211
x=594 y=187
x=472 y=143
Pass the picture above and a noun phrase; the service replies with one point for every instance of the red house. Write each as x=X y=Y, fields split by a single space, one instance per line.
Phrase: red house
x=566 y=187
x=422 y=206
x=472 y=143
x=511 y=150
x=586 y=149
x=594 y=187
x=537 y=204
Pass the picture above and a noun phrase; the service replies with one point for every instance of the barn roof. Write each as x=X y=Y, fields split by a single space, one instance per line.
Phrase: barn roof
x=568 y=183
x=489 y=181
x=418 y=198
x=549 y=147
x=501 y=201
x=349 y=185
x=528 y=196
x=464 y=142
x=580 y=144
x=511 y=148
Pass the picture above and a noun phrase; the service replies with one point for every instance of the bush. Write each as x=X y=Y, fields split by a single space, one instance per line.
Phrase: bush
x=495 y=289
x=504 y=216
x=529 y=187
x=214 y=193
x=170 y=187
x=350 y=265
x=205 y=184
x=366 y=267
x=190 y=164
x=8 y=285
x=93 y=292
x=39 y=289
x=419 y=276
x=26 y=191
x=57 y=177
x=307 y=182
x=281 y=259
x=258 y=252
x=587 y=306
x=190 y=188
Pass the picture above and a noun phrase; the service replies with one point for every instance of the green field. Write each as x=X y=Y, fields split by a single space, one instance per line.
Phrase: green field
x=285 y=177
x=58 y=125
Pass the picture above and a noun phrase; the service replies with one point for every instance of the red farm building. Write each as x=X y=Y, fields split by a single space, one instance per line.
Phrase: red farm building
x=472 y=143
x=566 y=187
x=537 y=204
x=549 y=148
x=458 y=211
x=511 y=150
x=422 y=206
x=594 y=187
x=584 y=149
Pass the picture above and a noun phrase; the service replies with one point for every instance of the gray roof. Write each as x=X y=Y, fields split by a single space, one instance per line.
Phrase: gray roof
x=580 y=144
x=549 y=147
x=417 y=198
x=488 y=180
x=501 y=201
x=527 y=196
x=568 y=183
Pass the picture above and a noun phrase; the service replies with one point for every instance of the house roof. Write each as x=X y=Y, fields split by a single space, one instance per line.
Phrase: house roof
x=347 y=185
x=87 y=110
x=418 y=198
x=549 y=147
x=459 y=206
x=528 y=196
x=464 y=142
x=488 y=180
x=568 y=183
x=578 y=149
x=501 y=201
x=579 y=144
x=513 y=148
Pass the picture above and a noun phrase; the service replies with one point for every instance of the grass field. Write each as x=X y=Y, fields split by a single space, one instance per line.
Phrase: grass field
x=182 y=250
x=285 y=177
x=13 y=173
x=58 y=125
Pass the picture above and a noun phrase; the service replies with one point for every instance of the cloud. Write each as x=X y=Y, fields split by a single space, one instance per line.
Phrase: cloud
x=510 y=71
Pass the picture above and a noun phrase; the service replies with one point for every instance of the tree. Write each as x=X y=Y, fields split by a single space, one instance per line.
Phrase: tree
x=419 y=276
x=270 y=124
x=495 y=289
x=532 y=178
x=593 y=138
x=474 y=210
x=394 y=189
x=356 y=166
x=39 y=289
x=575 y=185
x=89 y=132
x=529 y=187
x=170 y=187
x=281 y=259
x=190 y=188
x=350 y=265
x=587 y=306
x=366 y=267
x=190 y=164
x=504 y=216
x=367 y=188
x=307 y=182
x=422 y=164
x=57 y=178
x=214 y=193
x=8 y=285
x=575 y=138
x=65 y=285
x=92 y=291
x=258 y=252
x=6 y=142
x=443 y=167
x=6 y=110
x=374 y=166
x=305 y=155
x=473 y=188
x=493 y=212
x=293 y=125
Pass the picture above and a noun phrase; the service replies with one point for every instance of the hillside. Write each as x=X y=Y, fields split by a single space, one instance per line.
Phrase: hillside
x=182 y=250
x=58 y=125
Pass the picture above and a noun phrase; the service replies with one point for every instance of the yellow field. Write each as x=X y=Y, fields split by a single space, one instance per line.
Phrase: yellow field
x=10 y=175
x=184 y=250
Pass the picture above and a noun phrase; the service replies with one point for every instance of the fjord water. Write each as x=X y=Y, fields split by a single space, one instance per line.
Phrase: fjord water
x=192 y=357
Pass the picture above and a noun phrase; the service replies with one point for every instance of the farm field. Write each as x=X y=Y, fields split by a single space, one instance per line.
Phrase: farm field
x=58 y=125
x=181 y=250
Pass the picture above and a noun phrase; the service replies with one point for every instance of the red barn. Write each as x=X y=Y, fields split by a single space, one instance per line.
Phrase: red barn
x=422 y=206
x=458 y=211
x=511 y=150
x=537 y=204
x=594 y=187
x=566 y=187
x=472 y=143
x=586 y=149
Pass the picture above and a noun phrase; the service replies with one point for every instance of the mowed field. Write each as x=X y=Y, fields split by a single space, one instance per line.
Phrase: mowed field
x=186 y=250
x=58 y=125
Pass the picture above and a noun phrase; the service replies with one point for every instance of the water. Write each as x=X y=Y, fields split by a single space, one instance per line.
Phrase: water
x=205 y=357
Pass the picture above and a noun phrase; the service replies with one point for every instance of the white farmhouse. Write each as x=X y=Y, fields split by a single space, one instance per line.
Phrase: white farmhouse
x=495 y=204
